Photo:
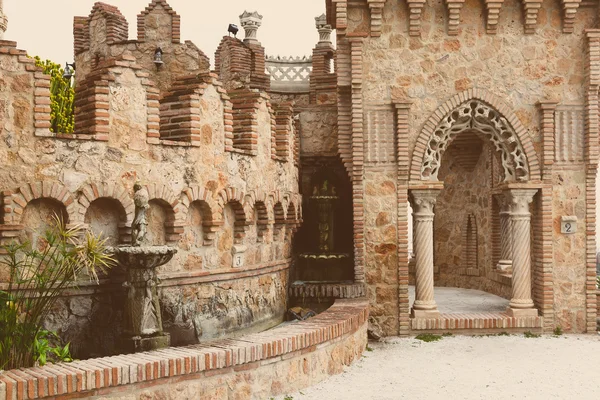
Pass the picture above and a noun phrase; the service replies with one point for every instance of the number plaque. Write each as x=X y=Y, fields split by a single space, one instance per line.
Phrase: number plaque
x=568 y=225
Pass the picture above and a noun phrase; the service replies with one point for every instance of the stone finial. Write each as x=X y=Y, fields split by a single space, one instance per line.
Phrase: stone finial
x=3 y=21
x=323 y=28
x=251 y=21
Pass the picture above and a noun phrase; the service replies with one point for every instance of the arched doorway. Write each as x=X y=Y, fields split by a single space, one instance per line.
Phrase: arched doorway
x=472 y=150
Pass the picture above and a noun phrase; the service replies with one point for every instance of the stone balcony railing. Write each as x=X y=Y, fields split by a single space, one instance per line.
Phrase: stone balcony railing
x=289 y=74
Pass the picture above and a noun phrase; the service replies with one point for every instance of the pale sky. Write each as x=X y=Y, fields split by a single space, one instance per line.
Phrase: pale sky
x=45 y=27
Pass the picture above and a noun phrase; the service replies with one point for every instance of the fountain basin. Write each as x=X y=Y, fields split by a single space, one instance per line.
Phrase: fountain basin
x=144 y=257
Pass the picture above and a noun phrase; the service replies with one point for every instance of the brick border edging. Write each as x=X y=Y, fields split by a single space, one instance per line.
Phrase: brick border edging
x=87 y=378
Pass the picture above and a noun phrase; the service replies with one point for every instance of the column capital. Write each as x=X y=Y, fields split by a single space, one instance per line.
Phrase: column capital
x=251 y=21
x=519 y=199
x=424 y=201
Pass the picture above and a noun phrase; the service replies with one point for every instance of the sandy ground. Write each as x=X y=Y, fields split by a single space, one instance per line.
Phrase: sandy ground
x=461 y=367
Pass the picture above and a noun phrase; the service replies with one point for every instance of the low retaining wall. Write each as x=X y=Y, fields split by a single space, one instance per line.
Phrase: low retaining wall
x=270 y=363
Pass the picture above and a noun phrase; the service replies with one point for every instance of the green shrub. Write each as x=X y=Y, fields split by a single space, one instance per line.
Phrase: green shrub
x=530 y=334
x=428 y=337
x=37 y=278
x=62 y=97
x=558 y=331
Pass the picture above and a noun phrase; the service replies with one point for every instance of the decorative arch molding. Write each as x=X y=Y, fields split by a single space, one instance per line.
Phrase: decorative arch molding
x=198 y=193
x=39 y=190
x=93 y=192
x=236 y=197
x=166 y=194
x=478 y=110
x=255 y=197
x=211 y=220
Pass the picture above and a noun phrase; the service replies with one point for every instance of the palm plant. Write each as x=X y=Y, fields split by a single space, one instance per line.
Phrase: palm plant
x=37 y=278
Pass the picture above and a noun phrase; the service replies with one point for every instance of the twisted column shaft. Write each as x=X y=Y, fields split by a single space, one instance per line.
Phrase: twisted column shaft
x=521 y=303
x=505 y=262
x=423 y=204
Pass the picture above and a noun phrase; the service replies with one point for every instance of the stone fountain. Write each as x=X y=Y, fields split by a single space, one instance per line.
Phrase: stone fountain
x=324 y=263
x=143 y=329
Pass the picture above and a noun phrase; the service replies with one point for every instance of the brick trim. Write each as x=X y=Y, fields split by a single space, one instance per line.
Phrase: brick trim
x=464 y=97
x=103 y=377
x=530 y=15
x=376 y=11
x=454 y=9
x=415 y=9
x=356 y=51
x=117 y=27
x=547 y=115
x=492 y=14
x=402 y=133
x=180 y=119
x=592 y=148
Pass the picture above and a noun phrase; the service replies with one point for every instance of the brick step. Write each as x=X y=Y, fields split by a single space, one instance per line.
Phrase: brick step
x=474 y=323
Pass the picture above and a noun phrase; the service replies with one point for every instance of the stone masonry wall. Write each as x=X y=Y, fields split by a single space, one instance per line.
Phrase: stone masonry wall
x=420 y=55
x=230 y=273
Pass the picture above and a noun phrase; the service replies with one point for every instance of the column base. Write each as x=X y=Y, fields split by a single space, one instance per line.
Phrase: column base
x=504 y=265
x=424 y=313
x=522 y=312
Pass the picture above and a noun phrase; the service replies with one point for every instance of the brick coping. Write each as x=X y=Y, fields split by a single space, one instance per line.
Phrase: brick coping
x=475 y=321
x=81 y=378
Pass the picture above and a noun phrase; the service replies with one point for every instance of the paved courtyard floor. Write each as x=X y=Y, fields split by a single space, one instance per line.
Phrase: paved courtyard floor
x=462 y=367
x=456 y=300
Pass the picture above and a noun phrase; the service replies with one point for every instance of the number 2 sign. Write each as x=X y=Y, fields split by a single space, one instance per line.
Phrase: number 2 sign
x=568 y=224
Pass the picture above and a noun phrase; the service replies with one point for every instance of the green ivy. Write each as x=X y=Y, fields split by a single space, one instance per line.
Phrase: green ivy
x=62 y=97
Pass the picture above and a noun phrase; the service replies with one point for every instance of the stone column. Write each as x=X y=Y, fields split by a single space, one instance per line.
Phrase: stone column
x=423 y=202
x=505 y=262
x=521 y=304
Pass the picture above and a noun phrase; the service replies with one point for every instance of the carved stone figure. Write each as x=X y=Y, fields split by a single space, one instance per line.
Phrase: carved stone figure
x=140 y=222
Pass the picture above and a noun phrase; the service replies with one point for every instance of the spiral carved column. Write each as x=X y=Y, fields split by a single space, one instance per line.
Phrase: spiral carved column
x=521 y=304
x=423 y=204
x=505 y=262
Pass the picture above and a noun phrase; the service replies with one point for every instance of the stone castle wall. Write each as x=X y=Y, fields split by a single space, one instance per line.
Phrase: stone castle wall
x=233 y=226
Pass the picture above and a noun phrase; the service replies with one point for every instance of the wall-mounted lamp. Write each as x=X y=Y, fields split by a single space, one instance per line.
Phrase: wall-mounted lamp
x=69 y=71
x=158 y=61
x=233 y=28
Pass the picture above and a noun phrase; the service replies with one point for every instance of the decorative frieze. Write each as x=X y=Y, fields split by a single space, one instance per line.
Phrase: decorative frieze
x=569 y=122
x=379 y=138
x=547 y=111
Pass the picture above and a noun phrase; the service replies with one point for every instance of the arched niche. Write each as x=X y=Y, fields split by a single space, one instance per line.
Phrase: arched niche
x=103 y=217
x=40 y=215
x=160 y=218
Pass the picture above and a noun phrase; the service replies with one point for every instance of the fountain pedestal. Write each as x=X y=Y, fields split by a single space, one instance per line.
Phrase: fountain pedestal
x=143 y=323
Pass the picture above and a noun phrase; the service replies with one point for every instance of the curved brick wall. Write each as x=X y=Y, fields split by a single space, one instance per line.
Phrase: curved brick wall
x=256 y=366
